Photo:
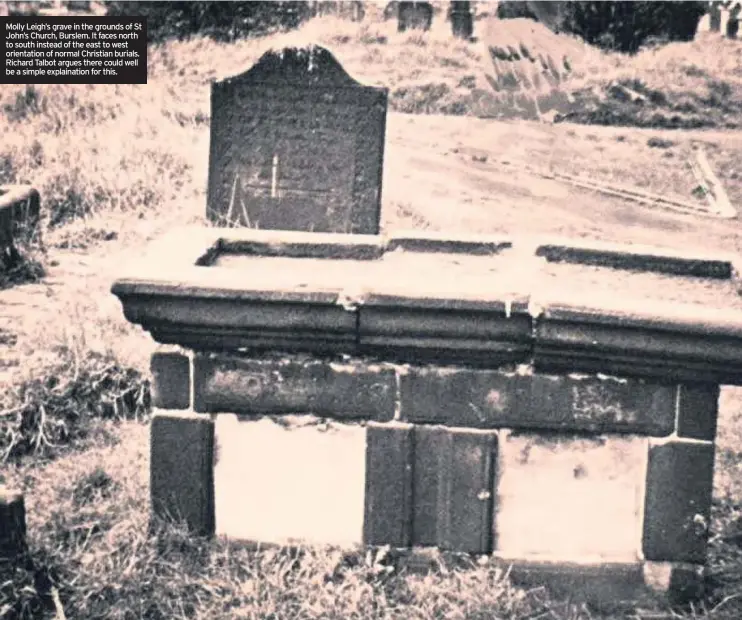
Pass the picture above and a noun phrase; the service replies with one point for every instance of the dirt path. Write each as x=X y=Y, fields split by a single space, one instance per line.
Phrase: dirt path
x=454 y=181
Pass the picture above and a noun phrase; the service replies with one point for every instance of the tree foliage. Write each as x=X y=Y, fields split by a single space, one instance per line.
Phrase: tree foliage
x=224 y=21
x=618 y=26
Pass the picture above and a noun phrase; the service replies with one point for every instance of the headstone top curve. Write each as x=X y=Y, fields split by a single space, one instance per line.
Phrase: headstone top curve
x=308 y=66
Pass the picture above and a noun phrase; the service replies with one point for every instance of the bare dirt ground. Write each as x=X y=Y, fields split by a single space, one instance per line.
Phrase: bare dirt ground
x=448 y=172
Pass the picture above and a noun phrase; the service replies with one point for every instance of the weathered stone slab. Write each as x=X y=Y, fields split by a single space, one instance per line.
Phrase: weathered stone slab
x=12 y=525
x=388 y=508
x=277 y=321
x=19 y=212
x=283 y=485
x=595 y=403
x=476 y=398
x=171 y=379
x=458 y=396
x=568 y=498
x=280 y=385
x=181 y=470
x=479 y=309
x=467 y=491
x=698 y=410
x=678 y=501
x=297 y=144
x=635 y=339
x=453 y=482
x=614 y=587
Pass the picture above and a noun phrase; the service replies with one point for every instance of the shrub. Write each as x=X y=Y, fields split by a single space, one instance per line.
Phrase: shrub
x=57 y=408
x=617 y=26
x=222 y=21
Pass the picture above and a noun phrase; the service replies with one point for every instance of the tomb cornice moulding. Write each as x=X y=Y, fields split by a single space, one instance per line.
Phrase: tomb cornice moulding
x=233 y=289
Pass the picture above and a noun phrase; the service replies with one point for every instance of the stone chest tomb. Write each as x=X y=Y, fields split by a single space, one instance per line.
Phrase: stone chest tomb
x=548 y=404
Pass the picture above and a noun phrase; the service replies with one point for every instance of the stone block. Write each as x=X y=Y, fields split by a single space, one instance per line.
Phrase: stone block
x=608 y=587
x=19 y=213
x=12 y=525
x=595 y=403
x=467 y=491
x=477 y=398
x=565 y=496
x=698 y=409
x=280 y=385
x=453 y=483
x=279 y=483
x=218 y=319
x=429 y=462
x=388 y=509
x=171 y=379
x=678 y=501
x=457 y=396
x=181 y=470
x=675 y=583
x=626 y=340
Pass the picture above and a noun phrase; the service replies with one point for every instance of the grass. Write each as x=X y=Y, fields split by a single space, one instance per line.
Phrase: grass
x=91 y=542
x=117 y=165
x=19 y=266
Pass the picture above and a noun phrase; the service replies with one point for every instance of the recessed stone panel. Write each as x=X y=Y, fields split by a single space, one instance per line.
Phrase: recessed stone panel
x=289 y=485
x=565 y=498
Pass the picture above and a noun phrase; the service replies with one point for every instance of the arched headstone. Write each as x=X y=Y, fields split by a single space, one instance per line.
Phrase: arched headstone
x=297 y=144
x=462 y=20
x=715 y=16
x=414 y=15
x=733 y=22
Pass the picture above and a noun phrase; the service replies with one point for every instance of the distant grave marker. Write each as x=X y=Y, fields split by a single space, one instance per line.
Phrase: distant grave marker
x=733 y=21
x=297 y=144
x=462 y=20
x=715 y=17
x=414 y=15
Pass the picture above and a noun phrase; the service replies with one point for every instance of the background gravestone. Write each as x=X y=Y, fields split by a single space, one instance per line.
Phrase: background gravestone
x=462 y=20
x=297 y=144
x=414 y=15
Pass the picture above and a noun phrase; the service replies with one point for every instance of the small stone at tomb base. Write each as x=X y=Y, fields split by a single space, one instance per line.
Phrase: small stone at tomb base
x=12 y=524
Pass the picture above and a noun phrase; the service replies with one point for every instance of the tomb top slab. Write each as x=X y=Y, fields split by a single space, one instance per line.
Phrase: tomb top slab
x=510 y=300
